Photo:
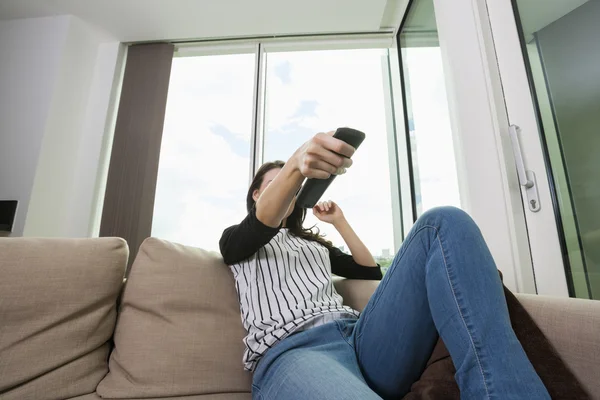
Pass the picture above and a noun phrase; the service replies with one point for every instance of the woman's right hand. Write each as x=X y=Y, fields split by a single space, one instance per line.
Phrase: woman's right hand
x=322 y=156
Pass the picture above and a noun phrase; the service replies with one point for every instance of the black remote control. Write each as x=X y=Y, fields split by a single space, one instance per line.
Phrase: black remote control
x=313 y=189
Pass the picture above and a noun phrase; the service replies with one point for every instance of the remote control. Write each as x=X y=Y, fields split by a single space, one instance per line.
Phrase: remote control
x=313 y=189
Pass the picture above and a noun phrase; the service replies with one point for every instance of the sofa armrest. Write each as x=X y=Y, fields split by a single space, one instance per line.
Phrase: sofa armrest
x=356 y=293
x=573 y=328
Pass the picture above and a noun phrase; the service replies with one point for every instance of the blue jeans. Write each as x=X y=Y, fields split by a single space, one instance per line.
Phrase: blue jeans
x=443 y=281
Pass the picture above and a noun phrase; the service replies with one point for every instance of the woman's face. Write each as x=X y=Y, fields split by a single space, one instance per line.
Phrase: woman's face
x=269 y=176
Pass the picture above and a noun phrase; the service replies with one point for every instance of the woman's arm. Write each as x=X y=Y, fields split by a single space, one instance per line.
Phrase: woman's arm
x=238 y=242
x=359 y=265
x=274 y=202
x=359 y=251
x=343 y=264
x=318 y=158
x=328 y=211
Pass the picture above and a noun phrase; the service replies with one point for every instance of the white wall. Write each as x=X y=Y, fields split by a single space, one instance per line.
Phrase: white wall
x=56 y=84
x=61 y=197
x=31 y=52
x=96 y=143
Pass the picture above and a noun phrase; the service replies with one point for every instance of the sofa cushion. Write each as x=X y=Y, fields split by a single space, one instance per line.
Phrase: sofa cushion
x=179 y=330
x=217 y=396
x=356 y=292
x=58 y=308
x=573 y=328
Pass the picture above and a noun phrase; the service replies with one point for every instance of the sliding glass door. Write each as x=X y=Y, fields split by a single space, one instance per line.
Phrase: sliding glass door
x=231 y=107
x=549 y=68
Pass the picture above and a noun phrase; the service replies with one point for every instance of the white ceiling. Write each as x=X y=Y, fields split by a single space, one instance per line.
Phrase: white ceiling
x=147 y=20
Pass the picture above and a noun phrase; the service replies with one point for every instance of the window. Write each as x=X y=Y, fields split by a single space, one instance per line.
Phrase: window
x=205 y=152
x=314 y=91
x=428 y=118
x=226 y=114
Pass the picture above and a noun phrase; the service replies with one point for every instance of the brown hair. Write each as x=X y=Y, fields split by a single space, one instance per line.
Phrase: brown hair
x=296 y=219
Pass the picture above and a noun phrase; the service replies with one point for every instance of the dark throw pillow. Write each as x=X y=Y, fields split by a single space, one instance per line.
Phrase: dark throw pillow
x=437 y=381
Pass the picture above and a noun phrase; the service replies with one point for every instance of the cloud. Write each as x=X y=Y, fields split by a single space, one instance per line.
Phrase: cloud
x=283 y=71
x=306 y=109
x=324 y=95
x=204 y=161
x=197 y=225
x=200 y=190
x=204 y=165
x=214 y=89
x=237 y=142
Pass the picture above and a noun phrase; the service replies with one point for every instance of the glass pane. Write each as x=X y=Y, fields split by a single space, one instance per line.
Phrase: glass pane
x=564 y=53
x=316 y=91
x=205 y=153
x=432 y=148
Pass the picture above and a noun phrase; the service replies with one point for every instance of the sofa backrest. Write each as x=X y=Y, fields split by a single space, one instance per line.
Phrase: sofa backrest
x=179 y=330
x=573 y=328
x=57 y=314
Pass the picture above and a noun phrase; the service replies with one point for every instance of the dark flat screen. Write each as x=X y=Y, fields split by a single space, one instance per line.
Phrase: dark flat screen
x=8 y=208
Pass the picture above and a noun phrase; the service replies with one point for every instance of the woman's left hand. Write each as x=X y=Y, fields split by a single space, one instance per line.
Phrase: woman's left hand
x=328 y=211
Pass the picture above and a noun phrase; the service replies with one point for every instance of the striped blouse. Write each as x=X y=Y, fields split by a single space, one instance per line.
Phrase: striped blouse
x=284 y=283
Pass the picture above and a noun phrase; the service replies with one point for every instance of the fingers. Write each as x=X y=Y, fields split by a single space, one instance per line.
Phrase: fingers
x=318 y=208
x=317 y=150
x=313 y=167
x=321 y=164
x=336 y=145
x=316 y=174
x=323 y=156
x=323 y=206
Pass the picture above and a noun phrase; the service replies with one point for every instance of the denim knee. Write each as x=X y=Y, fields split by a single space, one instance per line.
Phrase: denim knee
x=447 y=215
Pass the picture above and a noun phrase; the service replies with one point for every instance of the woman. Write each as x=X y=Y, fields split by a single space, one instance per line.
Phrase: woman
x=302 y=343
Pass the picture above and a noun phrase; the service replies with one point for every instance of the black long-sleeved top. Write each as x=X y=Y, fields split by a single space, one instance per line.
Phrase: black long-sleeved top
x=284 y=282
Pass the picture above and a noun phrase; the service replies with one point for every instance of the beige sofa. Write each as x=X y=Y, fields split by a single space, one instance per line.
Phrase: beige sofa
x=177 y=331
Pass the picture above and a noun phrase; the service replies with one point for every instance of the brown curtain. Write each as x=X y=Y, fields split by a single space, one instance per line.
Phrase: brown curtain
x=131 y=184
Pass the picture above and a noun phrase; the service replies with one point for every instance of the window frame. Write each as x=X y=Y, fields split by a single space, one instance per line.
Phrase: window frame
x=403 y=200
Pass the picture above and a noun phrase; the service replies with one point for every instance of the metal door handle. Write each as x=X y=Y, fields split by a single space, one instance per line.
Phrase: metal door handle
x=521 y=172
x=526 y=178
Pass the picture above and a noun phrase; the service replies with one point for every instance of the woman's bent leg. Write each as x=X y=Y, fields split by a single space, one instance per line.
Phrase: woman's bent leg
x=316 y=364
x=444 y=280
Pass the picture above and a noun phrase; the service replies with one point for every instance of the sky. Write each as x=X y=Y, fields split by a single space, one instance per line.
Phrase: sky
x=438 y=181
x=204 y=163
